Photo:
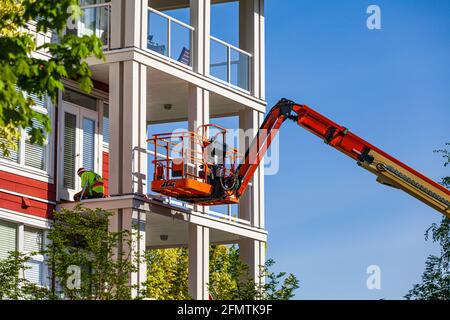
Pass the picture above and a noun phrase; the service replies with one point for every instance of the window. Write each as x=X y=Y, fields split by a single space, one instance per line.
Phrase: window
x=105 y=123
x=35 y=272
x=35 y=155
x=95 y=19
x=8 y=238
x=27 y=154
x=80 y=99
x=88 y=144
x=13 y=154
x=33 y=241
x=70 y=126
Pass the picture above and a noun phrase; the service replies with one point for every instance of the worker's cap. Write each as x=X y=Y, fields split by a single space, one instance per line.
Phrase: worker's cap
x=81 y=170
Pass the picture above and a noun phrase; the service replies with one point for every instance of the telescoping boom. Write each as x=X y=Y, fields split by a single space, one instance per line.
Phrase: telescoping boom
x=196 y=176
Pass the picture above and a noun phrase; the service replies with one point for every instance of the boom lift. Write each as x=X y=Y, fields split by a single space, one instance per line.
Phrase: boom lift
x=198 y=169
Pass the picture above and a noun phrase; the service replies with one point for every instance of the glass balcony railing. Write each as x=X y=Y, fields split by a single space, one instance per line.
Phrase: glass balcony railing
x=230 y=64
x=169 y=37
x=95 y=19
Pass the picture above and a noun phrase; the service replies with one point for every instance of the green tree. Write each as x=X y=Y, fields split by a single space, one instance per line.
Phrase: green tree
x=278 y=286
x=167 y=277
x=13 y=284
x=21 y=71
x=436 y=277
x=80 y=237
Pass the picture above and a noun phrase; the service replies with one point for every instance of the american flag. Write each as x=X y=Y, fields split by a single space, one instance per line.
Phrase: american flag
x=185 y=56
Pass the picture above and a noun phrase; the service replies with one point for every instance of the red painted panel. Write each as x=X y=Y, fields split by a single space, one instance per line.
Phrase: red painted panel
x=28 y=186
x=36 y=208
x=105 y=169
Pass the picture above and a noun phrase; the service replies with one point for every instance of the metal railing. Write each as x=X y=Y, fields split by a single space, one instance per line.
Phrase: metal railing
x=229 y=64
x=170 y=38
x=95 y=19
x=230 y=216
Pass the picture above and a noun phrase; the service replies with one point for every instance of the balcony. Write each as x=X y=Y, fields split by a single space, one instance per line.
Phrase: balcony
x=229 y=64
x=95 y=19
x=172 y=40
x=169 y=38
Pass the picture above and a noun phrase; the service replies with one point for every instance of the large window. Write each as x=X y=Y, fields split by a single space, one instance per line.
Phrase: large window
x=27 y=154
x=16 y=237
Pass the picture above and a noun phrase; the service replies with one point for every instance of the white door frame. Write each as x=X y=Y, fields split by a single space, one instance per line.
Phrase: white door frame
x=80 y=113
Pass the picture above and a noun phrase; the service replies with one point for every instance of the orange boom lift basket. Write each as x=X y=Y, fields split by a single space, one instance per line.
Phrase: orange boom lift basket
x=186 y=164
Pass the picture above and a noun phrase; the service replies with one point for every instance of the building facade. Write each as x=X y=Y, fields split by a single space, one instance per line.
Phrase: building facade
x=159 y=69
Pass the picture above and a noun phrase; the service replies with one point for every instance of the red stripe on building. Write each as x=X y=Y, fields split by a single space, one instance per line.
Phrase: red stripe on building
x=105 y=170
x=28 y=206
x=27 y=186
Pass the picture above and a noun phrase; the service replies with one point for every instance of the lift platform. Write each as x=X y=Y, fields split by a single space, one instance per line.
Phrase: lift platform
x=186 y=164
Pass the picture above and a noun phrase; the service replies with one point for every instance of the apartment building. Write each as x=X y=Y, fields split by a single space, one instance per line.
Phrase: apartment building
x=159 y=69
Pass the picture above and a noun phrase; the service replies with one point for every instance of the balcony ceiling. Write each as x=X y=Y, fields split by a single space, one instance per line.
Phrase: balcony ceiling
x=166 y=89
x=177 y=232
x=176 y=4
x=163 y=88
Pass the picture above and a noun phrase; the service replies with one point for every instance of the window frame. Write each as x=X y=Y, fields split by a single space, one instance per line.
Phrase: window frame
x=35 y=223
x=19 y=167
x=80 y=112
x=102 y=98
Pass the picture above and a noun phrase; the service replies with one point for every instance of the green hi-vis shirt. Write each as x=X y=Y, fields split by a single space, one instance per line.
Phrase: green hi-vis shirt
x=90 y=178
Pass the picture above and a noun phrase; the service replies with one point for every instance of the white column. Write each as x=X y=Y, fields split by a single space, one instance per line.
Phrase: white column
x=128 y=117
x=20 y=235
x=198 y=104
x=116 y=25
x=201 y=21
x=251 y=205
x=198 y=277
x=134 y=222
x=198 y=242
x=252 y=40
x=198 y=114
x=253 y=254
x=128 y=157
x=129 y=23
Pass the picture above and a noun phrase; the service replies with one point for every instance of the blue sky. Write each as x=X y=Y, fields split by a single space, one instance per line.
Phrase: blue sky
x=328 y=220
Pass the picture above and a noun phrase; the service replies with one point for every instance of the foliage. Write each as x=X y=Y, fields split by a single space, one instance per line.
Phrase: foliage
x=80 y=237
x=167 y=277
x=13 y=284
x=272 y=290
x=19 y=69
x=228 y=276
x=436 y=277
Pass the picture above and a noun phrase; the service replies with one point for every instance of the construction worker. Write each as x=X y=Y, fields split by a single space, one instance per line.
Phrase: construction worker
x=92 y=185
